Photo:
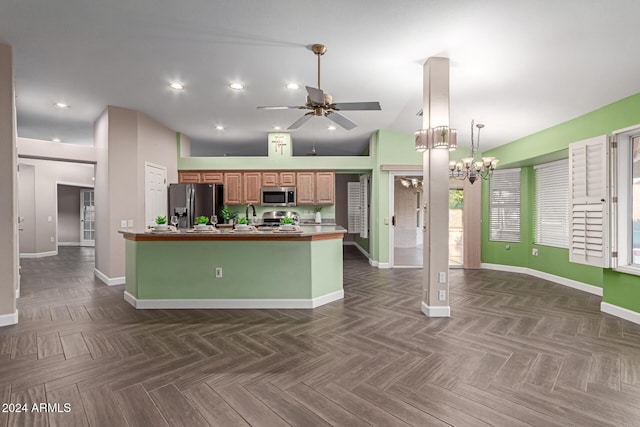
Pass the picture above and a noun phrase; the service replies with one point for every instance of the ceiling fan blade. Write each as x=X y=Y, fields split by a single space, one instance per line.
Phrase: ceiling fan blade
x=315 y=95
x=290 y=107
x=351 y=106
x=302 y=120
x=341 y=120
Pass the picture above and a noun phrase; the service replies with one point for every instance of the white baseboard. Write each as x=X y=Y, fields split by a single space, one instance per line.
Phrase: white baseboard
x=17 y=293
x=595 y=290
x=109 y=281
x=68 y=243
x=436 y=311
x=232 y=303
x=620 y=312
x=9 y=319
x=38 y=254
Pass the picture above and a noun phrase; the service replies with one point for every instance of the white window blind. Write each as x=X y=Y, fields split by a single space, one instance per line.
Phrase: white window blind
x=588 y=189
x=364 y=211
x=504 y=206
x=552 y=204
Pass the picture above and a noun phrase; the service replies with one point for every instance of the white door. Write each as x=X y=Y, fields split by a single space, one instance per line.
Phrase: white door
x=155 y=192
x=87 y=219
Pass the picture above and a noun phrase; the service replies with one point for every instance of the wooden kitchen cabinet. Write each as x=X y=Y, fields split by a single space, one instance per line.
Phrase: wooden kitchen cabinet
x=278 y=179
x=305 y=188
x=212 y=177
x=251 y=185
x=188 y=177
x=233 y=188
x=325 y=186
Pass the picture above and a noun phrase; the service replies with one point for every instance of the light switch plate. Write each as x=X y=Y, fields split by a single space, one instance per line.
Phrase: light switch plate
x=123 y=223
x=442 y=295
x=442 y=277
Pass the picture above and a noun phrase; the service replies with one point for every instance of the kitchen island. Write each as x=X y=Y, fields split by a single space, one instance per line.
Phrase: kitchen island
x=255 y=269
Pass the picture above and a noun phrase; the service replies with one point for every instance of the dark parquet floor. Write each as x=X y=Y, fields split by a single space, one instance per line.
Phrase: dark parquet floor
x=516 y=351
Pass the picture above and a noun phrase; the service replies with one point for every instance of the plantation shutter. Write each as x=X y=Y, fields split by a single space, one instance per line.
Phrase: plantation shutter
x=552 y=204
x=364 y=212
x=588 y=188
x=354 y=207
x=504 y=206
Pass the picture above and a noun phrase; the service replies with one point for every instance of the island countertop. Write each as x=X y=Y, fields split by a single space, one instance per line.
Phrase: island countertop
x=305 y=232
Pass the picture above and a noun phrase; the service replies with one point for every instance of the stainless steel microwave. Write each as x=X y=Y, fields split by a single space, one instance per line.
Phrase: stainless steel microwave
x=278 y=196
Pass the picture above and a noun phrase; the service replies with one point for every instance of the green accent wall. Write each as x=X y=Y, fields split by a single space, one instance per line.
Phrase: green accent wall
x=550 y=144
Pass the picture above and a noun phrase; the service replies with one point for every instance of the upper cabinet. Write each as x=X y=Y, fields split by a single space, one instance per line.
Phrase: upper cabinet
x=251 y=186
x=305 y=188
x=312 y=187
x=315 y=188
x=188 y=177
x=212 y=177
x=233 y=188
x=278 y=179
x=325 y=186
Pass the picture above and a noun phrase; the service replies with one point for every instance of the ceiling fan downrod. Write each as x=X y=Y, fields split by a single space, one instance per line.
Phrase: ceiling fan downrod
x=319 y=50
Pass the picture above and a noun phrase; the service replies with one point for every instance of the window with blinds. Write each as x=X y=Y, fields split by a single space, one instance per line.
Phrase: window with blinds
x=552 y=204
x=504 y=206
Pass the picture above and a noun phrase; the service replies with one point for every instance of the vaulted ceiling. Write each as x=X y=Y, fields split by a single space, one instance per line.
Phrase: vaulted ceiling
x=517 y=67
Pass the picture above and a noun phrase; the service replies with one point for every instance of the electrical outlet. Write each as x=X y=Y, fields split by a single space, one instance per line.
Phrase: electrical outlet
x=218 y=272
x=52 y=239
x=442 y=277
x=442 y=295
x=49 y=219
x=534 y=251
x=123 y=223
x=130 y=223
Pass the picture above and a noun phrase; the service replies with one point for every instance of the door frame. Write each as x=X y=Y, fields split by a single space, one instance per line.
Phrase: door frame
x=71 y=184
x=392 y=193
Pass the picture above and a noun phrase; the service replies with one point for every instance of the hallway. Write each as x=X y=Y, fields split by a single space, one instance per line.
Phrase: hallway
x=517 y=351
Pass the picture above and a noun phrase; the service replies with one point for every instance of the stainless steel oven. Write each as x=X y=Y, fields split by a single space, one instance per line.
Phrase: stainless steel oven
x=278 y=196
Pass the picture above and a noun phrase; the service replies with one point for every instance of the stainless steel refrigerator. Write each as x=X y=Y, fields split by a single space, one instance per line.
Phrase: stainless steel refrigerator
x=187 y=201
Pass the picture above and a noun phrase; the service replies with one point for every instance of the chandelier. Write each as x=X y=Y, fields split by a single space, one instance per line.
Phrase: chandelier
x=470 y=168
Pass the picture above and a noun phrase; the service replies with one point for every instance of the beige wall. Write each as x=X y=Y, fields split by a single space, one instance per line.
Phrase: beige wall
x=125 y=139
x=47 y=174
x=39 y=149
x=8 y=189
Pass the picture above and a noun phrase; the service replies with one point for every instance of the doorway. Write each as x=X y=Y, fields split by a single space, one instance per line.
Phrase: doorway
x=456 y=228
x=407 y=220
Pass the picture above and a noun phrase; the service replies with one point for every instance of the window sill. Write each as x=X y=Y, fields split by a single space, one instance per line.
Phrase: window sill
x=628 y=269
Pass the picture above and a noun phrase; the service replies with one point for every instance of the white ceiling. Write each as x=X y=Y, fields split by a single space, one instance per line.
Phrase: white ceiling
x=517 y=66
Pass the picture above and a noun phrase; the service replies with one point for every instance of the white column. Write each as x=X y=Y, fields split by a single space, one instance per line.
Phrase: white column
x=436 y=192
x=8 y=191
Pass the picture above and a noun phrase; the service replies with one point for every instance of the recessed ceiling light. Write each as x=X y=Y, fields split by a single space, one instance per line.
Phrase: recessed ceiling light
x=220 y=127
x=62 y=105
x=293 y=86
x=236 y=86
x=331 y=128
x=176 y=86
x=276 y=128
x=56 y=140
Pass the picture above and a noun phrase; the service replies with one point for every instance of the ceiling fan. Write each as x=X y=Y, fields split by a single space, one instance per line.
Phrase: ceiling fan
x=321 y=104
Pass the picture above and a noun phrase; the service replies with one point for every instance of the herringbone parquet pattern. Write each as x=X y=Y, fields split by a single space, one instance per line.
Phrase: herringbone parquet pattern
x=516 y=351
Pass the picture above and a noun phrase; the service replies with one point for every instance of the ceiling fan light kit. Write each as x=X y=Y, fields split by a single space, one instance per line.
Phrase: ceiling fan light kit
x=321 y=104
